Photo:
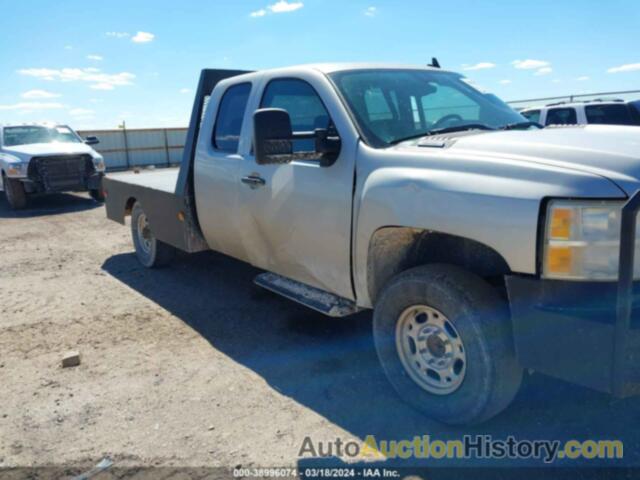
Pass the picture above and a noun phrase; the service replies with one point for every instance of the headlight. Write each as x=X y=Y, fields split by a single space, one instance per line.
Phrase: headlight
x=98 y=162
x=16 y=168
x=582 y=240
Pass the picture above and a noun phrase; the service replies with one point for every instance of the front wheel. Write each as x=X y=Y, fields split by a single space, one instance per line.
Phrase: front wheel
x=443 y=337
x=97 y=194
x=151 y=252
x=15 y=193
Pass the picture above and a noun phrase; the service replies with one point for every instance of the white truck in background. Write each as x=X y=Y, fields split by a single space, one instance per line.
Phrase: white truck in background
x=39 y=158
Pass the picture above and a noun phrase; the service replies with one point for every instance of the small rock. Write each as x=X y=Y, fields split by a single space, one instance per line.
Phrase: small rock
x=71 y=359
x=211 y=427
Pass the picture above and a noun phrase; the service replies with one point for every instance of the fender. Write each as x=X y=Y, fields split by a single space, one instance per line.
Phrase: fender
x=493 y=202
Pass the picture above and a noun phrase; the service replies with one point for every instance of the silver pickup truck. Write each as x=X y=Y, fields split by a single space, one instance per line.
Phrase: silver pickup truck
x=484 y=244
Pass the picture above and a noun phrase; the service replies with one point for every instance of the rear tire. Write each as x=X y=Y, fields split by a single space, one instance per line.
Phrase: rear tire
x=443 y=336
x=15 y=193
x=151 y=252
x=97 y=195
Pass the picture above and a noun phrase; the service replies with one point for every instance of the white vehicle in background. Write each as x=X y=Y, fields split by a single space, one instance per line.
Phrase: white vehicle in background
x=601 y=112
x=37 y=158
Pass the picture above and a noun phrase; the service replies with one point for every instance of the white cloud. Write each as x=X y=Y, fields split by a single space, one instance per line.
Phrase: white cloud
x=39 y=94
x=68 y=47
x=371 y=11
x=143 y=37
x=118 y=34
x=505 y=82
x=556 y=80
x=94 y=57
x=31 y=106
x=629 y=67
x=543 y=71
x=582 y=79
x=479 y=66
x=98 y=79
x=282 y=6
x=185 y=90
x=530 y=64
x=77 y=112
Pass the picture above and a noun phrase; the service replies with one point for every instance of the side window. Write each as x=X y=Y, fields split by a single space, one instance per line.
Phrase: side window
x=532 y=115
x=226 y=132
x=561 y=116
x=609 y=114
x=303 y=104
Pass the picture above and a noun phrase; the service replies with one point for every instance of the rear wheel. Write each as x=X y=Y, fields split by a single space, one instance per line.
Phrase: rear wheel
x=151 y=252
x=14 y=191
x=443 y=337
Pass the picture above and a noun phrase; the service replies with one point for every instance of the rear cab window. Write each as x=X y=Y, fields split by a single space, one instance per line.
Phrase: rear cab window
x=609 y=114
x=561 y=116
x=226 y=132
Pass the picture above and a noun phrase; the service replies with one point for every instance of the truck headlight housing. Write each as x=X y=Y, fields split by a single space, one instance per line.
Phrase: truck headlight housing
x=98 y=163
x=582 y=240
x=16 y=168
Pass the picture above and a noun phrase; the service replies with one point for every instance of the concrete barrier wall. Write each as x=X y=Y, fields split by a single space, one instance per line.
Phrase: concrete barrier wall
x=124 y=149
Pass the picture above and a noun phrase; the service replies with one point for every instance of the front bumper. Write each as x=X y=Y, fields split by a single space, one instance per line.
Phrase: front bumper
x=584 y=332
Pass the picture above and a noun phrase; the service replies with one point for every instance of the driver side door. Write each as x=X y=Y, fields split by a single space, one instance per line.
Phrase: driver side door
x=298 y=217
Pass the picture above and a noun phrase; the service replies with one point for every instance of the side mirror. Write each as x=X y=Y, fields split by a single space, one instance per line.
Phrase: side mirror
x=272 y=136
x=91 y=140
x=273 y=140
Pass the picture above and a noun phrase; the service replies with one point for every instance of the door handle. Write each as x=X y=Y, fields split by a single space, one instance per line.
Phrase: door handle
x=254 y=181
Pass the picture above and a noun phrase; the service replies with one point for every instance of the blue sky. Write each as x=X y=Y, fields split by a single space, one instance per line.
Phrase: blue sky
x=94 y=64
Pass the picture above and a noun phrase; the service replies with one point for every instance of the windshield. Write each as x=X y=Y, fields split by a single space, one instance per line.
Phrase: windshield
x=28 y=134
x=392 y=105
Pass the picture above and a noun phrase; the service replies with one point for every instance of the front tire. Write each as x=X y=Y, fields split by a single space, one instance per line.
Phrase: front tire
x=15 y=193
x=151 y=252
x=444 y=339
x=97 y=195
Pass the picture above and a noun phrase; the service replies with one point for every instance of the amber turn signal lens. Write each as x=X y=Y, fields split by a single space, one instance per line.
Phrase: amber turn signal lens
x=561 y=223
x=559 y=260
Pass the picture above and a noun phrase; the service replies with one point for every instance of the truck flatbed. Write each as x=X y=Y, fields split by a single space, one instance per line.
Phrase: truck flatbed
x=164 y=179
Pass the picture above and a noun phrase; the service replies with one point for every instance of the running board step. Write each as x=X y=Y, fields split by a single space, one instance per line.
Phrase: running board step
x=319 y=300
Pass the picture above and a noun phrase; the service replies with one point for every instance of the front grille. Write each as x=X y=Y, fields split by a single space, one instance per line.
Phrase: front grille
x=61 y=172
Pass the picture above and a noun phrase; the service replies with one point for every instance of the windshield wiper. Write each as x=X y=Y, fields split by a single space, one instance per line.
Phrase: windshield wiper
x=519 y=125
x=438 y=131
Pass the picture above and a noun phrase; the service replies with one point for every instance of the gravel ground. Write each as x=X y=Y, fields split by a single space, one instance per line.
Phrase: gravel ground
x=193 y=366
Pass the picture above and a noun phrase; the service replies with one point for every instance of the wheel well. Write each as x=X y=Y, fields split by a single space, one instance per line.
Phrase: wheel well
x=395 y=249
x=129 y=206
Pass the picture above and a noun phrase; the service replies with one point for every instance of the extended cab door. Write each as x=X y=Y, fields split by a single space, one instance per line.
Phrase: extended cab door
x=297 y=220
x=218 y=165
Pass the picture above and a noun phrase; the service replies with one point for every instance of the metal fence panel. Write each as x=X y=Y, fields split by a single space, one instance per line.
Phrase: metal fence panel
x=124 y=149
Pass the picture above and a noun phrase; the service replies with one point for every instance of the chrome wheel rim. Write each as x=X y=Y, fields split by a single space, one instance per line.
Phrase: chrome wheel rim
x=143 y=231
x=431 y=349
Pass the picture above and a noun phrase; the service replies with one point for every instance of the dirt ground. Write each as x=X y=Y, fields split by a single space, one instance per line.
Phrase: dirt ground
x=194 y=366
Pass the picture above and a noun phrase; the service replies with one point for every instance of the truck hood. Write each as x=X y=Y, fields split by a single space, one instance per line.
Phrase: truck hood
x=25 y=152
x=609 y=151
